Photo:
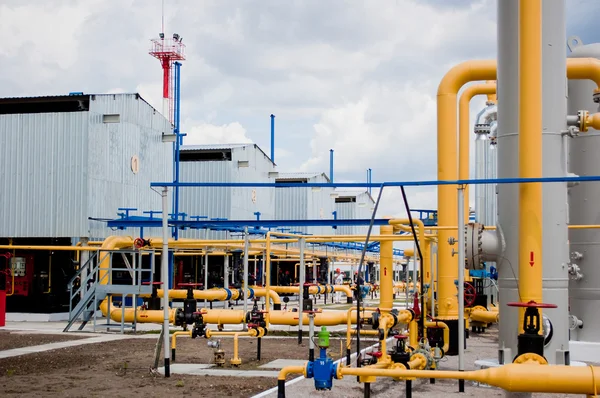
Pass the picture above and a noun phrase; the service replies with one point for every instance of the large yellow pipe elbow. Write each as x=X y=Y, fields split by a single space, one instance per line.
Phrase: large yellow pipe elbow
x=291 y=370
x=463 y=130
x=448 y=170
x=110 y=243
x=584 y=69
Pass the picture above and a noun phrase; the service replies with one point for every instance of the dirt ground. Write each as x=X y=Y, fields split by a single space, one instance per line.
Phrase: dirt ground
x=10 y=340
x=122 y=369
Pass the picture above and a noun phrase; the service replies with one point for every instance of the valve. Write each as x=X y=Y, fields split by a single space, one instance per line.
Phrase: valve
x=470 y=294
x=307 y=304
x=530 y=341
x=199 y=328
x=399 y=353
x=218 y=353
x=323 y=370
x=154 y=300
x=188 y=315
x=256 y=316
x=138 y=243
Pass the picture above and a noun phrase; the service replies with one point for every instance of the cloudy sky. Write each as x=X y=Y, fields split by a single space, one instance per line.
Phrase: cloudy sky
x=358 y=76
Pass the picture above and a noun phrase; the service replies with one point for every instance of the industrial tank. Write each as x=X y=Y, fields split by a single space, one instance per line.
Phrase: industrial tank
x=584 y=293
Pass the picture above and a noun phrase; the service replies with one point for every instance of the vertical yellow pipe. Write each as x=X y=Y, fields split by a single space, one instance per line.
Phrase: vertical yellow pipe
x=530 y=151
x=268 y=274
x=491 y=97
x=464 y=138
x=386 y=269
x=447 y=104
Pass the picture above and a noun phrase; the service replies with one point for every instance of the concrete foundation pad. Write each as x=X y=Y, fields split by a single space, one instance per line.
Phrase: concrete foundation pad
x=585 y=351
x=281 y=363
x=208 y=370
x=30 y=317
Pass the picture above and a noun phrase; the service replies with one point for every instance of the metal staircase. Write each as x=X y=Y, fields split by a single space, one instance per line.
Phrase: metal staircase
x=95 y=281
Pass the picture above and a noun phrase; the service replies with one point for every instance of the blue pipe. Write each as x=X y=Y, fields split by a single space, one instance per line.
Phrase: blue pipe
x=272 y=138
x=331 y=165
x=482 y=181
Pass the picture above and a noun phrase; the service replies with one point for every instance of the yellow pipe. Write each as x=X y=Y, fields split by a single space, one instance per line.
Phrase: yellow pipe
x=530 y=152
x=463 y=131
x=491 y=96
x=386 y=270
x=577 y=68
x=448 y=170
x=291 y=370
x=349 y=323
x=559 y=379
x=439 y=324
x=480 y=314
x=584 y=69
x=110 y=243
x=413 y=334
x=174 y=341
x=217 y=294
x=142 y=315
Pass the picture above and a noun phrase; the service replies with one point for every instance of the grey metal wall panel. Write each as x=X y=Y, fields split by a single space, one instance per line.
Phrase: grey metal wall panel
x=112 y=182
x=43 y=159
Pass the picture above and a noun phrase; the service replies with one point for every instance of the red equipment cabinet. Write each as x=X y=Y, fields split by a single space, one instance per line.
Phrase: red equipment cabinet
x=21 y=267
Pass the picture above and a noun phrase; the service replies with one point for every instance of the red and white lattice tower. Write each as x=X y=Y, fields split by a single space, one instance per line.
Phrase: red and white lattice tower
x=167 y=51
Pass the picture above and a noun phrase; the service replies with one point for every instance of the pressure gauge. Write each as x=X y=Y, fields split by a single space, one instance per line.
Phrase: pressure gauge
x=547 y=329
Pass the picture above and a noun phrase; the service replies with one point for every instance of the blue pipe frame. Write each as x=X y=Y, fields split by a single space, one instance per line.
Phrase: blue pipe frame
x=425 y=183
x=273 y=138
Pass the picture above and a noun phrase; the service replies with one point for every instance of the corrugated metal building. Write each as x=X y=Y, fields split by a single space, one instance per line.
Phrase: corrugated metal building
x=225 y=163
x=304 y=203
x=65 y=159
x=351 y=205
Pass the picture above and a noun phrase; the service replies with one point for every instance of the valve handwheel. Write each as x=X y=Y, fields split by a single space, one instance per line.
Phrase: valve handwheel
x=470 y=294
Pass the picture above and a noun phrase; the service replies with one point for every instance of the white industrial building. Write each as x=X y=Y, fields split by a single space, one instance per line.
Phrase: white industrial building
x=68 y=160
x=225 y=163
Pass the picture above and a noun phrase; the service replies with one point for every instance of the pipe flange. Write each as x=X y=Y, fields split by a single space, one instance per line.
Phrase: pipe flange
x=530 y=358
x=481 y=129
x=474 y=245
x=424 y=355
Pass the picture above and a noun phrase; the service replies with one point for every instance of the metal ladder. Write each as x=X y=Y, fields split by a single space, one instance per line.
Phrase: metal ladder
x=87 y=289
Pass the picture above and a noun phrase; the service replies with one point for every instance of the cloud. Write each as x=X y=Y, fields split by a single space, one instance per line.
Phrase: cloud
x=232 y=133
x=356 y=76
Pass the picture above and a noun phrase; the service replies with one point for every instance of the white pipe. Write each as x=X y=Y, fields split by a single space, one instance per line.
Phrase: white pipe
x=164 y=270
x=461 y=281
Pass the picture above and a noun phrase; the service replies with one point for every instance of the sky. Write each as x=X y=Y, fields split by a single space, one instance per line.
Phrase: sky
x=356 y=76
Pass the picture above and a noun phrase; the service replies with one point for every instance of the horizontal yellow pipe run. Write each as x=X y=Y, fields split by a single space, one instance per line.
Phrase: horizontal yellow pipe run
x=217 y=294
x=50 y=248
x=142 y=316
x=484 y=316
x=313 y=289
x=512 y=377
